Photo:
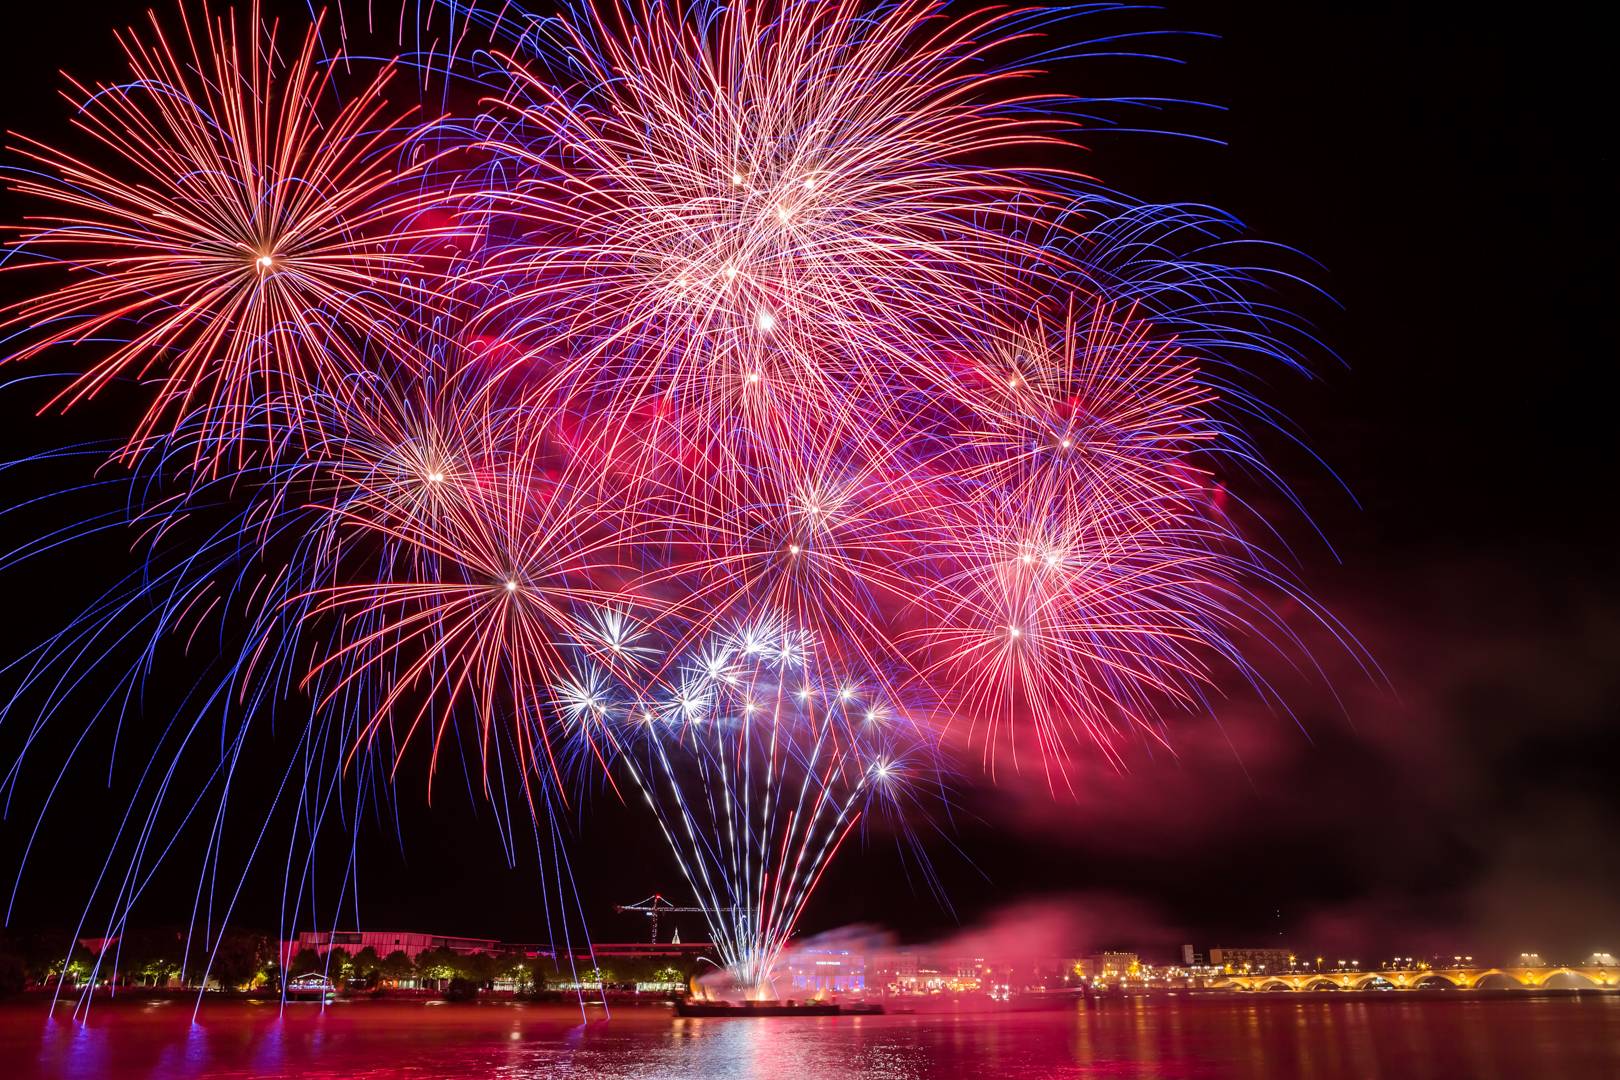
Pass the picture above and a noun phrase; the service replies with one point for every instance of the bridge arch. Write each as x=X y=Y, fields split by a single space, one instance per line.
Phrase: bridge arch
x=1437 y=980
x=1568 y=979
x=1273 y=984
x=1497 y=979
x=1320 y=982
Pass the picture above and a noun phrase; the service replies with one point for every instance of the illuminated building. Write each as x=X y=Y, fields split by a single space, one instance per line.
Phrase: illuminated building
x=1252 y=959
x=822 y=972
x=390 y=941
x=908 y=971
x=1110 y=966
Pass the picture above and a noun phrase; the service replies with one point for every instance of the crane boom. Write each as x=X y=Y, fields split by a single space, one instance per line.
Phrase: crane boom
x=655 y=905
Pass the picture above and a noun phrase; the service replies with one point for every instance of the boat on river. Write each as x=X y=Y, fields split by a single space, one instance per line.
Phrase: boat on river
x=311 y=987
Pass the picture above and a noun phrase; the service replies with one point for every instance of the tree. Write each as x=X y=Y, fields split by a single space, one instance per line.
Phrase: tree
x=240 y=959
x=156 y=971
x=635 y=969
x=304 y=962
x=41 y=952
x=527 y=973
x=365 y=965
x=13 y=971
x=480 y=968
x=76 y=967
x=338 y=966
x=440 y=965
x=13 y=974
x=150 y=957
x=396 y=967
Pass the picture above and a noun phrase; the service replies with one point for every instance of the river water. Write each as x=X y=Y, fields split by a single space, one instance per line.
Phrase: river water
x=1272 y=1036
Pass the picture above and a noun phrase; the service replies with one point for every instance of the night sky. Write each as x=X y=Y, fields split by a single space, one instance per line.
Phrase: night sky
x=1451 y=174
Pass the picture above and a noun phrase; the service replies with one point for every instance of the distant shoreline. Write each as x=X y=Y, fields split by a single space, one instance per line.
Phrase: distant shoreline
x=899 y=1006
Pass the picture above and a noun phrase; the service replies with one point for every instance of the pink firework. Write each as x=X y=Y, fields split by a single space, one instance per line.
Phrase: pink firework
x=461 y=558
x=1093 y=409
x=1082 y=579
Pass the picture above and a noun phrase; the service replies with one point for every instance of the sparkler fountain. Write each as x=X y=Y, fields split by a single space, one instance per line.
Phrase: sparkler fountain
x=757 y=767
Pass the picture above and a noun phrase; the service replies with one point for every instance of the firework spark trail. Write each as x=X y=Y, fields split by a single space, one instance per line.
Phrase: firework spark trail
x=472 y=555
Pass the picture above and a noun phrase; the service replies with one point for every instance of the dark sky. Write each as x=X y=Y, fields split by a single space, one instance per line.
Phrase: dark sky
x=1453 y=175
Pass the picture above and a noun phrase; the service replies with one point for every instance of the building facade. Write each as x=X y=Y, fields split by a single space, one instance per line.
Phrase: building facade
x=826 y=972
x=409 y=942
x=414 y=944
x=1240 y=960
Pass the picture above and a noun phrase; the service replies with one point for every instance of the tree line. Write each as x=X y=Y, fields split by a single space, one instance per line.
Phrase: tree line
x=444 y=968
x=242 y=960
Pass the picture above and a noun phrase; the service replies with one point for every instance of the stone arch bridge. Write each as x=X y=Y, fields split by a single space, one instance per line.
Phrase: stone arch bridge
x=1457 y=978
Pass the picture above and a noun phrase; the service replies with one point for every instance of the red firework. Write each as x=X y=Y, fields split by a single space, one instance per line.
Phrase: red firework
x=234 y=225
x=462 y=558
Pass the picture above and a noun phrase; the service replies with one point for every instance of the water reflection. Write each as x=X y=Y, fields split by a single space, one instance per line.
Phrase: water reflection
x=270 y=1048
x=1178 y=1037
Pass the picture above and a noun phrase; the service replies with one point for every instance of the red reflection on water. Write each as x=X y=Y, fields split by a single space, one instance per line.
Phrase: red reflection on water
x=1267 y=1038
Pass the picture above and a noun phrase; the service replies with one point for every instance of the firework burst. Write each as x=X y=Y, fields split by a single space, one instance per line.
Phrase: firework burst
x=767 y=213
x=461 y=557
x=231 y=227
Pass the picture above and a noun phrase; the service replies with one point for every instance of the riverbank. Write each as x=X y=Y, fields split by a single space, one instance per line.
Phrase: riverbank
x=70 y=1001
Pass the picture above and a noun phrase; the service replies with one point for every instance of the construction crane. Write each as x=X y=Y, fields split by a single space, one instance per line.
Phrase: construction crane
x=655 y=905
